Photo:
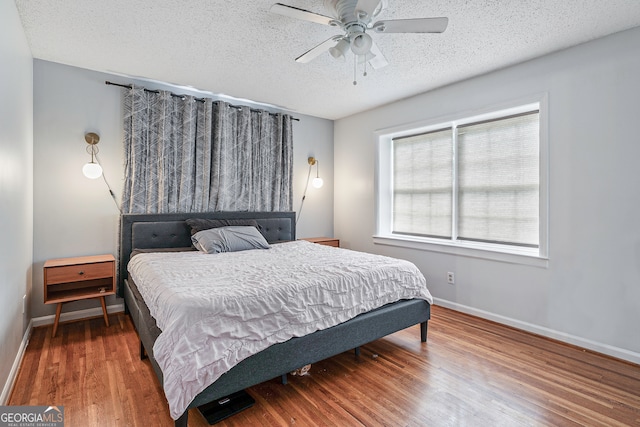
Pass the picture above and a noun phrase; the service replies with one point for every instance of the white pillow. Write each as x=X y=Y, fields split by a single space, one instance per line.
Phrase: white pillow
x=229 y=239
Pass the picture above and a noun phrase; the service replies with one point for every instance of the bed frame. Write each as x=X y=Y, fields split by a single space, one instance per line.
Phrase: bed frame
x=155 y=231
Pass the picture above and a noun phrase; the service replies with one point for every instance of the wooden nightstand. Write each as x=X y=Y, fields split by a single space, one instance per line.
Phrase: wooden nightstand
x=72 y=279
x=327 y=241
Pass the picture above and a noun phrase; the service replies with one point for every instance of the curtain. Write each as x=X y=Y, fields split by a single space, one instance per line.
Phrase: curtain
x=188 y=155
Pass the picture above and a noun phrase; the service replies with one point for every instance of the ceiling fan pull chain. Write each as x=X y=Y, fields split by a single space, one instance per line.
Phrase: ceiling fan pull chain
x=355 y=69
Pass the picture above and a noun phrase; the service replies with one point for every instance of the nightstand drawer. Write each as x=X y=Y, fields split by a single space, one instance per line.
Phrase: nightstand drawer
x=78 y=273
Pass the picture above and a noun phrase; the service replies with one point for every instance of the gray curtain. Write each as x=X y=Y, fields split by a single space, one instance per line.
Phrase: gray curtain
x=188 y=155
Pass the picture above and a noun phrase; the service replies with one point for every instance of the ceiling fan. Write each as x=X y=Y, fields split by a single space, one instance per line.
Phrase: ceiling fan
x=355 y=18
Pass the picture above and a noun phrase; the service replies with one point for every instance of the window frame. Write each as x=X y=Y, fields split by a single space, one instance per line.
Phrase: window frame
x=495 y=251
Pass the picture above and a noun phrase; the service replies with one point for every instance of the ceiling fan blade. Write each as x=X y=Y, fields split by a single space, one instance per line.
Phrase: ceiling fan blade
x=368 y=7
x=418 y=25
x=378 y=61
x=313 y=53
x=297 y=13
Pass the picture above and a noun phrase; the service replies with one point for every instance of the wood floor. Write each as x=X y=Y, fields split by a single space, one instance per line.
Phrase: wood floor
x=471 y=372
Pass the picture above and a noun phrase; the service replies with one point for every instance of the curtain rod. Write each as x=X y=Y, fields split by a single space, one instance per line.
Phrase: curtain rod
x=197 y=99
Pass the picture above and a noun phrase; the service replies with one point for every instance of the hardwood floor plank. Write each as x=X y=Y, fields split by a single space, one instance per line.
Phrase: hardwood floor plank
x=471 y=372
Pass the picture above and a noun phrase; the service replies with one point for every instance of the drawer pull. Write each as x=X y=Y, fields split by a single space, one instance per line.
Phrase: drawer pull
x=81 y=273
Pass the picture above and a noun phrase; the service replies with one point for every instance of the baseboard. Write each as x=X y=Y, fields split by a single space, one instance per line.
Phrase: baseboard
x=76 y=315
x=13 y=374
x=606 y=349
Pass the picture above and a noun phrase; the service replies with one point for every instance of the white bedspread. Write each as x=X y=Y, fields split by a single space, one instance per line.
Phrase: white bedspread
x=237 y=304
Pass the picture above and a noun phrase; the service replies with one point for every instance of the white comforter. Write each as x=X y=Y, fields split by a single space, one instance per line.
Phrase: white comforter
x=216 y=310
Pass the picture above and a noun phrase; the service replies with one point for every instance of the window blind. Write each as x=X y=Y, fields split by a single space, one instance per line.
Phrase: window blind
x=422 y=184
x=498 y=180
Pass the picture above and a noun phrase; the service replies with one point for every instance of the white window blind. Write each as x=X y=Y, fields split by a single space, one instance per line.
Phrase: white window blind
x=422 y=184
x=477 y=181
x=498 y=180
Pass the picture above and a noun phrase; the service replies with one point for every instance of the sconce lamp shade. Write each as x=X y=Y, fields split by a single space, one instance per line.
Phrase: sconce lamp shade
x=317 y=182
x=92 y=170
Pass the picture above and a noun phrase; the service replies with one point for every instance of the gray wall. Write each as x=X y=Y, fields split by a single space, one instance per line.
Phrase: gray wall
x=16 y=185
x=590 y=292
x=76 y=216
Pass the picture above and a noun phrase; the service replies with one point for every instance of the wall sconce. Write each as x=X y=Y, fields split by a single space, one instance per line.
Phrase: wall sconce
x=92 y=170
x=317 y=181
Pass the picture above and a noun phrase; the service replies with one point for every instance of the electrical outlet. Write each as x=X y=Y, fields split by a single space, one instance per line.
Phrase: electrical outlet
x=451 y=278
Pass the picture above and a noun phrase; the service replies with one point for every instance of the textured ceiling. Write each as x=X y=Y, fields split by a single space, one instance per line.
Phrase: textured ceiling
x=239 y=48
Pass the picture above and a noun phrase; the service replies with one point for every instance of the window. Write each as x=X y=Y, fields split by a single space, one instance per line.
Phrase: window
x=476 y=182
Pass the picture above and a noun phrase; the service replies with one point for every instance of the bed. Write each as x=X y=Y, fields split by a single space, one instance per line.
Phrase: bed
x=160 y=232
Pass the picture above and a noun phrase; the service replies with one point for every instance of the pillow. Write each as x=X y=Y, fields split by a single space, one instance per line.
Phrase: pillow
x=229 y=239
x=199 y=224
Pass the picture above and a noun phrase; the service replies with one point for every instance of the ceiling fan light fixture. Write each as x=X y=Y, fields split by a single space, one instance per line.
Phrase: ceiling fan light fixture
x=339 y=50
x=354 y=18
x=360 y=43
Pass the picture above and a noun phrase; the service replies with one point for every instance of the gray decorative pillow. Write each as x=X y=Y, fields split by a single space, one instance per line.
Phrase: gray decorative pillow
x=229 y=239
x=199 y=224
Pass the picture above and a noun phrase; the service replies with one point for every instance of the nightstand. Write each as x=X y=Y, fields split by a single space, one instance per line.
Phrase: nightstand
x=73 y=279
x=327 y=241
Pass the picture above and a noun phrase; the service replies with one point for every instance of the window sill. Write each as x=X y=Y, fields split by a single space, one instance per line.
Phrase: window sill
x=512 y=255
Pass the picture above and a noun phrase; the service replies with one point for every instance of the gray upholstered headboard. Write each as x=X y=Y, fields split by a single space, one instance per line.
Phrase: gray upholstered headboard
x=151 y=231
